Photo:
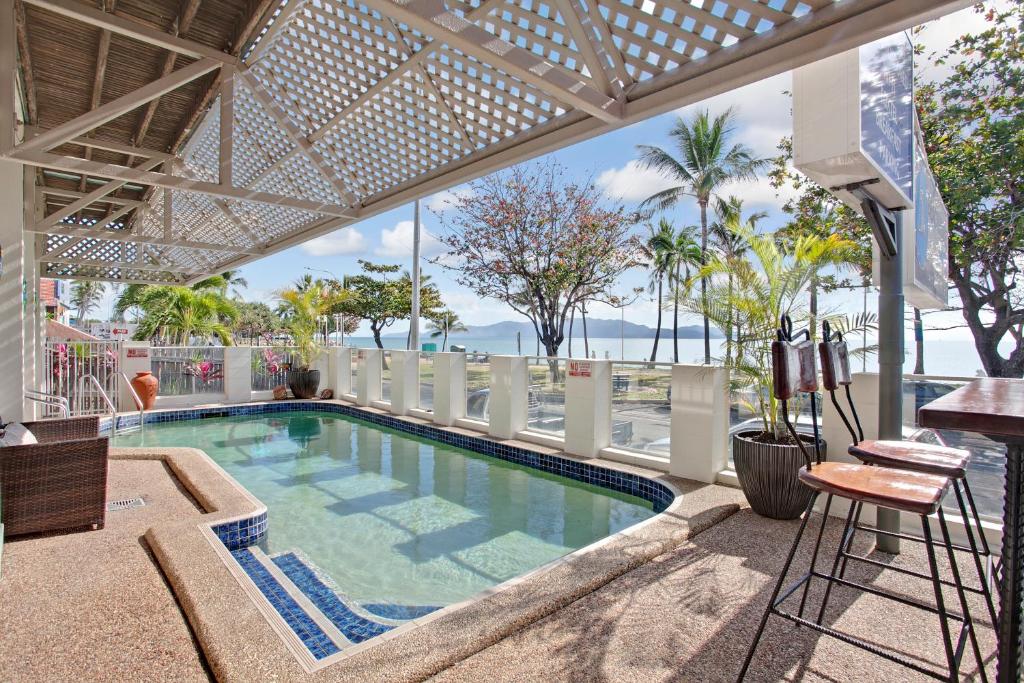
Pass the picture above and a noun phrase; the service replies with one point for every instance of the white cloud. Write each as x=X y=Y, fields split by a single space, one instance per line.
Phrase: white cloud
x=442 y=201
x=344 y=241
x=632 y=182
x=763 y=112
x=397 y=242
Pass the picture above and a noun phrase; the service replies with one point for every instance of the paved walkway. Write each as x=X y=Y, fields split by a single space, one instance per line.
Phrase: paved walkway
x=93 y=606
x=690 y=614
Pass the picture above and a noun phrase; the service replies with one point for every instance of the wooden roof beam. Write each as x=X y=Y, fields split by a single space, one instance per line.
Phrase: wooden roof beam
x=182 y=24
x=115 y=108
x=133 y=29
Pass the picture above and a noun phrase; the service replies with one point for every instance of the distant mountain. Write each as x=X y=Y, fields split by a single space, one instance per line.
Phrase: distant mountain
x=596 y=328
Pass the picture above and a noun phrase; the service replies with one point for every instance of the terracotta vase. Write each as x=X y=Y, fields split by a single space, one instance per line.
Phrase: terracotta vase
x=146 y=386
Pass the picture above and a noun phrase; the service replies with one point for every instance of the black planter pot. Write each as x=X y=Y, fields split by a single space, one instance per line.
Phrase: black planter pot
x=768 y=475
x=303 y=383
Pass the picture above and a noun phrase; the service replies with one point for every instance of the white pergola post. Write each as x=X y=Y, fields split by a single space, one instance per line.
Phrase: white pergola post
x=405 y=381
x=339 y=370
x=13 y=246
x=237 y=374
x=507 y=409
x=449 y=388
x=368 y=375
x=699 y=446
x=588 y=406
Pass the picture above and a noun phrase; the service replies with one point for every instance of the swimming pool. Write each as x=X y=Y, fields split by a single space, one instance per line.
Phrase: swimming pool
x=396 y=524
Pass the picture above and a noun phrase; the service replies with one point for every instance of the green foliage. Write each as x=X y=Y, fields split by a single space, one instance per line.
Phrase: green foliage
x=443 y=323
x=752 y=293
x=180 y=314
x=301 y=310
x=380 y=296
x=255 y=319
x=973 y=124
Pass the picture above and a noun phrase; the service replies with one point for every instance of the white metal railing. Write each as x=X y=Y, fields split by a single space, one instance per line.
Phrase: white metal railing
x=138 y=401
x=103 y=396
x=64 y=362
x=53 y=400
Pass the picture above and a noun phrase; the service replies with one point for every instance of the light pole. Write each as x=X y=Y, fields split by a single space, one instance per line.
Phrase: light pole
x=414 y=313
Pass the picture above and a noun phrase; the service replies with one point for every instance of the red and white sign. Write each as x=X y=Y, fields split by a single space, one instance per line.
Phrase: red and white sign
x=119 y=330
x=580 y=368
x=137 y=352
x=360 y=354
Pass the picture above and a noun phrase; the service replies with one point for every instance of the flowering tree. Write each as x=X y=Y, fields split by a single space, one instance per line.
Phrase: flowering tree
x=539 y=243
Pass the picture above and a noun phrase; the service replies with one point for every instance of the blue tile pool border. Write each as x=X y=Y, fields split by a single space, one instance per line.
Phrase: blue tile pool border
x=659 y=495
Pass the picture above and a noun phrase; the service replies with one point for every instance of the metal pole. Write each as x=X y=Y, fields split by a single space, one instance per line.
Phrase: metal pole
x=890 y=368
x=414 y=316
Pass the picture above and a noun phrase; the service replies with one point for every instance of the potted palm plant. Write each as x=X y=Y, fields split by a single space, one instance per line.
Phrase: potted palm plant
x=301 y=309
x=748 y=291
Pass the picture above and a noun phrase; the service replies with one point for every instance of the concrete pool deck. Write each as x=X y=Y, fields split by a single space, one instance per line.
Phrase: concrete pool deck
x=677 y=598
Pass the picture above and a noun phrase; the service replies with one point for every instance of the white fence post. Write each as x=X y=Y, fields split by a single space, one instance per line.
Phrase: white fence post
x=700 y=422
x=507 y=408
x=449 y=387
x=368 y=376
x=237 y=374
x=339 y=370
x=135 y=357
x=588 y=406
x=405 y=381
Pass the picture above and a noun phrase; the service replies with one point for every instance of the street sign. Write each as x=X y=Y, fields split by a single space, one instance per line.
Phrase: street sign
x=853 y=122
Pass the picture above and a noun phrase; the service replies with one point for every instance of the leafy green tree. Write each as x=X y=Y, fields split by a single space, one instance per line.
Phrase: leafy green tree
x=973 y=124
x=301 y=310
x=706 y=161
x=85 y=297
x=382 y=297
x=255 y=319
x=443 y=323
x=685 y=254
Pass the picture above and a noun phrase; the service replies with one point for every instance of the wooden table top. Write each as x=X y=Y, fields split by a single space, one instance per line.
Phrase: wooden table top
x=986 y=406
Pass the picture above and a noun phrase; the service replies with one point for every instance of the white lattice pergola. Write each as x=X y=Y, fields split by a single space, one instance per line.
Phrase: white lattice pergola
x=340 y=109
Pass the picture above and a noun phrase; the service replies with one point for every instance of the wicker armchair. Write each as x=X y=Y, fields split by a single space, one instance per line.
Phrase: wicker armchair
x=59 y=483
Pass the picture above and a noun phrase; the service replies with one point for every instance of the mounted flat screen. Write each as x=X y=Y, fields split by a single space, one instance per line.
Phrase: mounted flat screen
x=925 y=238
x=853 y=118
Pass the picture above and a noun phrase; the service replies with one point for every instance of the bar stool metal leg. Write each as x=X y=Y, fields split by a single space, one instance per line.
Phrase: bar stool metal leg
x=778 y=587
x=974 y=552
x=947 y=640
x=845 y=541
x=814 y=555
x=962 y=595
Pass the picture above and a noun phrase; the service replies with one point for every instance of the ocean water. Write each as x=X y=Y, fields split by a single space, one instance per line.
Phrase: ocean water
x=956 y=358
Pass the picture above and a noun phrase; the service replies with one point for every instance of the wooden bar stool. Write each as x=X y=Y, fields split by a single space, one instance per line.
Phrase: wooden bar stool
x=918 y=493
x=904 y=455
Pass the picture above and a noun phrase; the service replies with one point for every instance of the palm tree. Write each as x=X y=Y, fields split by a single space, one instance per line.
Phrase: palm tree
x=659 y=252
x=184 y=313
x=85 y=296
x=685 y=254
x=729 y=240
x=706 y=162
x=444 y=323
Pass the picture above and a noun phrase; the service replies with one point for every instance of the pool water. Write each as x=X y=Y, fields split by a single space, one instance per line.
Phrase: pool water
x=394 y=519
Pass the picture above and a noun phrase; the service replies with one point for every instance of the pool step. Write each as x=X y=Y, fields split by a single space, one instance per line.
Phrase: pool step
x=315 y=631
x=354 y=623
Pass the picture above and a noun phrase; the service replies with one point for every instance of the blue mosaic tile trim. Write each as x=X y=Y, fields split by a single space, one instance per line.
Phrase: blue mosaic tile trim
x=659 y=495
x=399 y=612
x=314 y=638
x=243 y=532
x=354 y=627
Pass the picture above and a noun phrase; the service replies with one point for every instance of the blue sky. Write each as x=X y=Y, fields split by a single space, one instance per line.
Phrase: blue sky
x=763 y=119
